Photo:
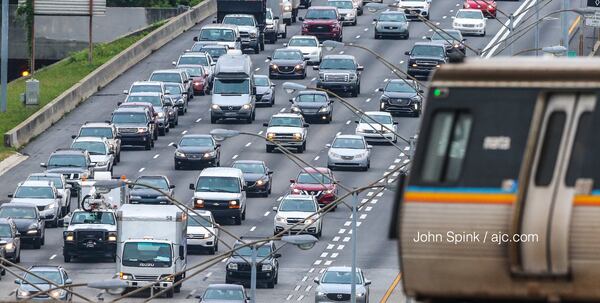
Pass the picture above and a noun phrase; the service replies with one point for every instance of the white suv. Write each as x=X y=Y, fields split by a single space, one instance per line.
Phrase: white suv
x=202 y=231
x=377 y=127
x=287 y=130
x=420 y=7
x=296 y=212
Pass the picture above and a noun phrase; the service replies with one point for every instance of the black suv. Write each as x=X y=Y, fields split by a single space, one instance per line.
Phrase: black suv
x=314 y=105
x=401 y=96
x=135 y=126
x=424 y=58
x=74 y=164
x=339 y=73
x=30 y=225
x=453 y=41
x=239 y=267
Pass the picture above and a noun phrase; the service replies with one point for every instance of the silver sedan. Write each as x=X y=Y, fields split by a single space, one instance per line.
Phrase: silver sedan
x=349 y=151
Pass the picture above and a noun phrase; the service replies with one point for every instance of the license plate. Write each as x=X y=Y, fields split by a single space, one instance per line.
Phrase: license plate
x=230 y=114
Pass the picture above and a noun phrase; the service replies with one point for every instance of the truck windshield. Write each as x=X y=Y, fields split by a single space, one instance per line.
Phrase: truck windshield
x=240 y=21
x=231 y=87
x=194 y=60
x=94 y=148
x=129 y=118
x=218 y=184
x=338 y=64
x=303 y=42
x=34 y=192
x=321 y=14
x=143 y=88
x=93 y=218
x=166 y=77
x=105 y=132
x=428 y=51
x=154 y=100
x=67 y=161
x=147 y=254
x=217 y=35
x=57 y=181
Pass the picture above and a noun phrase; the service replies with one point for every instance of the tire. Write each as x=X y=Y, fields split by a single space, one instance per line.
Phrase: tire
x=270 y=148
x=354 y=23
x=238 y=220
x=18 y=258
x=277 y=278
x=167 y=129
x=44 y=240
x=320 y=233
x=37 y=243
x=340 y=39
x=355 y=92
x=213 y=120
x=211 y=250
x=148 y=145
x=155 y=135
x=172 y=124
x=152 y=143
x=228 y=281
x=287 y=22
x=262 y=43
x=271 y=284
x=249 y=120
x=162 y=132
x=119 y=157
x=217 y=245
x=284 y=35
x=257 y=49
x=272 y=102
x=375 y=35
x=177 y=167
x=170 y=292
x=244 y=214
x=67 y=258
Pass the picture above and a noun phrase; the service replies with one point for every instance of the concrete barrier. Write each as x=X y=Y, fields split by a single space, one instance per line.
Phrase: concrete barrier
x=67 y=101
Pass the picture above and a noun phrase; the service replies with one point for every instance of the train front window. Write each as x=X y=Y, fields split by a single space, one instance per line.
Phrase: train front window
x=447 y=146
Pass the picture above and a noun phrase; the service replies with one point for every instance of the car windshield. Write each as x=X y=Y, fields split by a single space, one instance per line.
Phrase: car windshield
x=42 y=192
x=348 y=143
x=223 y=294
x=399 y=87
x=242 y=21
x=57 y=181
x=5 y=231
x=157 y=182
x=341 y=4
x=173 y=89
x=218 y=184
x=98 y=217
x=53 y=275
x=67 y=161
x=338 y=64
x=99 y=132
x=392 y=17
x=250 y=168
x=129 y=118
x=214 y=52
x=166 y=77
x=314 y=178
x=144 y=88
x=303 y=42
x=147 y=254
x=312 y=98
x=286 y=121
x=193 y=60
x=232 y=87
x=194 y=71
x=196 y=141
x=298 y=205
x=340 y=277
x=203 y=221
x=261 y=81
x=428 y=51
x=18 y=212
x=269 y=15
x=217 y=35
x=246 y=251
x=383 y=119
x=327 y=14
x=287 y=55
x=469 y=15
x=447 y=36
x=154 y=100
x=94 y=148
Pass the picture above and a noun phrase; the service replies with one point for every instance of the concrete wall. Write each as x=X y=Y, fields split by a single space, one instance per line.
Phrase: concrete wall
x=55 y=110
x=57 y=37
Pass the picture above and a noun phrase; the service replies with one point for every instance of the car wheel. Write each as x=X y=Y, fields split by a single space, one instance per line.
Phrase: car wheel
x=177 y=167
x=211 y=250
x=213 y=120
x=354 y=23
x=272 y=102
x=257 y=49
x=148 y=145
x=271 y=284
x=18 y=258
x=162 y=132
x=238 y=220
x=375 y=35
x=67 y=258
x=170 y=293
x=355 y=92
x=228 y=281
x=269 y=148
x=284 y=35
x=37 y=243
x=320 y=233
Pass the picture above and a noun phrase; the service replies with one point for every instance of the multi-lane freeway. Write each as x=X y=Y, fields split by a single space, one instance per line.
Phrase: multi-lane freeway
x=377 y=255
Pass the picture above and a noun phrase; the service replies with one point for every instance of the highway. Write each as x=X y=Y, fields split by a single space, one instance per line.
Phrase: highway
x=377 y=255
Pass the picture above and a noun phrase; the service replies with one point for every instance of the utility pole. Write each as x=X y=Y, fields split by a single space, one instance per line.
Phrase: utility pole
x=253 y=274
x=4 y=57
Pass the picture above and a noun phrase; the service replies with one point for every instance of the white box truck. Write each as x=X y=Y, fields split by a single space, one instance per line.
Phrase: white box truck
x=151 y=245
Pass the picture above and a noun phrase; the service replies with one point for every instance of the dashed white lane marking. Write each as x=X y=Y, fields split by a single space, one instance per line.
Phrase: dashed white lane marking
x=316 y=158
x=297 y=287
x=266 y=60
x=156 y=156
x=364 y=201
x=391 y=167
x=452 y=11
x=363 y=216
x=224 y=260
x=141 y=169
x=457 y=4
x=248 y=144
x=324 y=255
x=171 y=144
x=313 y=79
x=260 y=132
x=397 y=161
x=379 y=194
x=322 y=270
x=368 y=100
x=311 y=270
x=444 y=17
x=401 y=61
x=406 y=148
x=340 y=247
x=346 y=239
x=374 y=201
x=347 y=223
x=209 y=274
x=358 y=36
x=282 y=110
x=328 y=262
x=341 y=231
x=234 y=157
x=369 y=194
x=437 y=23
x=330 y=246
x=334 y=255
x=431 y=30
x=307 y=289
x=184 y=132
x=335 y=239
x=338 y=133
x=386 y=80
x=304 y=278
x=375 y=90
x=198 y=120
x=300 y=298
x=402 y=155
x=279 y=199
x=318 y=262
x=348 y=122
x=288 y=297
x=257 y=69
x=267 y=213
x=368 y=208
x=406 y=161
x=366 y=29
x=52 y=257
x=253 y=228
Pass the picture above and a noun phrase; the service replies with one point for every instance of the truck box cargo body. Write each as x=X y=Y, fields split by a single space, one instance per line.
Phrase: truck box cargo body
x=257 y=8
x=151 y=244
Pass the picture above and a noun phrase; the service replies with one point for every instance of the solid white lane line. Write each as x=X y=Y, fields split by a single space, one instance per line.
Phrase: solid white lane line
x=503 y=33
x=156 y=156
x=363 y=216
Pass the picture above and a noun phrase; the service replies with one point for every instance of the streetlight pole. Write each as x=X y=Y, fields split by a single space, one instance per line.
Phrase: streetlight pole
x=537 y=29
x=354 y=248
x=253 y=274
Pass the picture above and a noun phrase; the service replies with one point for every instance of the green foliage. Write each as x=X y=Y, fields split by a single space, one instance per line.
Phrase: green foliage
x=26 y=11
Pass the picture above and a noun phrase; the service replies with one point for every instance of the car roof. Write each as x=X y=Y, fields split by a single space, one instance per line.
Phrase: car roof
x=45 y=267
x=18 y=204
x=153 y=177
x=287 y=115
x=97 y=124
x=226 y=286
x=209 y=46
x=323 y=7
x=249 y=161
x=469 y=10
x=315 y=170
x=221 y=172
x=284 y=49
x=312 y=91
x=299 y=197
x=151 y=94
x=349 y=137
x=373 y=113
x=196 y=136
x=342 y=268
x=195 y=54
x=334 y=56
x=401 y=81
x=303 y=37
x=166 y=71
x=68 y=151
x=89 y=139
x=261 y=76
x=130 y=109
x=147 y=83
x=220 y=25
x=36 y=183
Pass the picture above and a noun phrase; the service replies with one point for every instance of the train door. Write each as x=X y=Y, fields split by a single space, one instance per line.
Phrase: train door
x=545 y=199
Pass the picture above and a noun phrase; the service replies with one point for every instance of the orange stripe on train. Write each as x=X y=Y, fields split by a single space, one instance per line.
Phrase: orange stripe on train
x=586 y=200
x=474 y=198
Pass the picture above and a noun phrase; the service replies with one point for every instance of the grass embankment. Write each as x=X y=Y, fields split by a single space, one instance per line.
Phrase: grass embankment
x=57 y=78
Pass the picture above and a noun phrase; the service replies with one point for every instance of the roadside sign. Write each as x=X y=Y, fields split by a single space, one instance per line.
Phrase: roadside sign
x=69 y=7
x=593 y=20
x=572 y=54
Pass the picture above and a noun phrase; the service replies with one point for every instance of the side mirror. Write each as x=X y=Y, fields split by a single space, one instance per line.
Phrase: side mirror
x=367 y=282
x=316 y=280
x=292 y=181
x=407 y=53
x=238 y=39
x=341 y=18
x=174 y=63
x=463 y=40
x=172 y=186
x=285 y=45
x=175 y=145
x=421 y=91
x=301 y=18
x=380 y=89
x=291 y=100
x=369 y=146
x=328 y=145
x=18 y=234
x=315 y=67
x=68 y=281
x=360 y=68
x=428 y=38
x=126 y=92
x=59 y=196
x=395 y=122
x=265 y=124
x=356 y=121
x=218 y=145
x=18 y=281
x=73 y=136
x=43 y=164
x=375 y=19
x=270 y=172
x=306 y=125
x=10 y=195
x=244 y=188
x=195 y=38
x=269 y=58
x=192 y=187
x=119 y=103
x=275 y=18
x=275 y=208
x=277 y=256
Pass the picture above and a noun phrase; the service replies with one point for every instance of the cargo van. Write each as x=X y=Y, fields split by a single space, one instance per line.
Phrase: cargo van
x=233 y=91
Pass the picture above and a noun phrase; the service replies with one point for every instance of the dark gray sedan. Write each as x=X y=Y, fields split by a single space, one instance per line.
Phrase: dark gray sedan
x=224 y=293
x=257 y=175
x=391 y=24
x=265 y=90
x=401 y=96
x=141 y=194
x=197 y=150
x=32 y=283
x=313 y=105
x=10 y=240
x=287 y=63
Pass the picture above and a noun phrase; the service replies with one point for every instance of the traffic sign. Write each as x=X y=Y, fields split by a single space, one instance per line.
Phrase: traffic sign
x=593 y=3
x=593 y=20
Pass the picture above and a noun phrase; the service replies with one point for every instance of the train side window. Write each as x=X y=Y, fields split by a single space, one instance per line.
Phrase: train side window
x=578 y=152
x=447 y=146
x=550 y=148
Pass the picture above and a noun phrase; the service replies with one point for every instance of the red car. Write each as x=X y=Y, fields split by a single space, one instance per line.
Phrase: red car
x=199 y=78
x=488 y=7
x=323 y=22
x=320 y=183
